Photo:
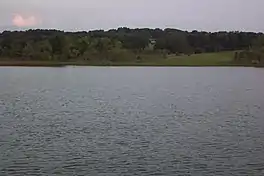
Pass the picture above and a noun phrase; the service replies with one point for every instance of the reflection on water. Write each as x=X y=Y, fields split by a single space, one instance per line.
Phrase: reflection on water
x=131 y=121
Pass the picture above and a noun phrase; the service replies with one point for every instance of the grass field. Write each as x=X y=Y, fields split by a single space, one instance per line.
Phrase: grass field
x=204 y=59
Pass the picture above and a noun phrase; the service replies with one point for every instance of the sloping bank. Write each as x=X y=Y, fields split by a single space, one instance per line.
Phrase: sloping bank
x=196 y=60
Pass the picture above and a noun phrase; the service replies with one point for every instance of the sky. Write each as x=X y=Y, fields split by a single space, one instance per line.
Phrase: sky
x=75 y=15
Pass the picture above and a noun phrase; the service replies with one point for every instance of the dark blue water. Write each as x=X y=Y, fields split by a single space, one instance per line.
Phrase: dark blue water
x=131 y=121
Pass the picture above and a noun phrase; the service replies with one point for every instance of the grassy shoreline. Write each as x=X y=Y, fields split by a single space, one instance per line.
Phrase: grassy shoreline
x=64 y=64
x=221 y=59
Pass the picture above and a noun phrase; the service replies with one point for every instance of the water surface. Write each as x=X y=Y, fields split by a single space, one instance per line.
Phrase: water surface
x=131 y=121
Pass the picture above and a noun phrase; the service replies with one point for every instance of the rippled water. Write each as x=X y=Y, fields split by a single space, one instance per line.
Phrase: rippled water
x=131 y=121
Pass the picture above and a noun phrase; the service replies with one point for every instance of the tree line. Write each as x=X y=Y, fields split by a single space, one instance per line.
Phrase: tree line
x=253 y=55
x=117 y=44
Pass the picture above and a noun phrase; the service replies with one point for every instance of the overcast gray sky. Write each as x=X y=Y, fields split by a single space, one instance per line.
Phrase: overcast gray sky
x=208 y=15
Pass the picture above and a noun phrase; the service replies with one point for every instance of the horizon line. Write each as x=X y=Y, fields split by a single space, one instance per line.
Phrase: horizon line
x=24 y=29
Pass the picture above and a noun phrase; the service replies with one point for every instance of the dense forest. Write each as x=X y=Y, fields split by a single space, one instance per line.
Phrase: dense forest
x=118 y=44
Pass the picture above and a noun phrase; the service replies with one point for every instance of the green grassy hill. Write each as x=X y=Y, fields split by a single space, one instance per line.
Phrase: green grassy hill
x=204 y=59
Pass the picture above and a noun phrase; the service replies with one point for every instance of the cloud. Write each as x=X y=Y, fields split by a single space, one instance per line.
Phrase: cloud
x=28 y=21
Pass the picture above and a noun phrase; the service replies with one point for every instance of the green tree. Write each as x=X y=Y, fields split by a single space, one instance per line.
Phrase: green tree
x=28 y=50
x=43 y=50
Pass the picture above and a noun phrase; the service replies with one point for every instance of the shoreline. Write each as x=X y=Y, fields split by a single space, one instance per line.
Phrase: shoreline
x=117 y=64
x=219 y=59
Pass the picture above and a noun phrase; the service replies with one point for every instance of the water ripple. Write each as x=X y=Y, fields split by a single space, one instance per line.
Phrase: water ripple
x=131 y=121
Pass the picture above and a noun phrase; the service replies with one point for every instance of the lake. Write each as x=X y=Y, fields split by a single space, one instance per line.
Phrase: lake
x=131 y=121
